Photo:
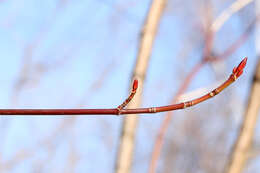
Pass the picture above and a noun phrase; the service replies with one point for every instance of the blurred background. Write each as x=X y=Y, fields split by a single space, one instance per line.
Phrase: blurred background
x=81 y=54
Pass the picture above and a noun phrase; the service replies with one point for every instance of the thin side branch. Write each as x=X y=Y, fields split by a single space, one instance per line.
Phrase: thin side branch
x=237 y=72
x=130 y=97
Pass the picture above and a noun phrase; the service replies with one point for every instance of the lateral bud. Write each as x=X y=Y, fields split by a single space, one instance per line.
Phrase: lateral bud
x=237 y=71
x=135 y=84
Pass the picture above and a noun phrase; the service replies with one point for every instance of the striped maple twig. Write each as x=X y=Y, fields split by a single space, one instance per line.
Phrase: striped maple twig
x=237 y=71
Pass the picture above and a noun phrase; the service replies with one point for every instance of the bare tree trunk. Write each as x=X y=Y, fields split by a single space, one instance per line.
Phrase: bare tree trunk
x=241 y=148
x=125 y=151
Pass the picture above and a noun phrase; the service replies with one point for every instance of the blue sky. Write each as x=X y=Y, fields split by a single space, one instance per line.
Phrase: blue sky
x=83 y=41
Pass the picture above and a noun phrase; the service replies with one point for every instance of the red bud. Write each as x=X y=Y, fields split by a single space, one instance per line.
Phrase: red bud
x=135 y=84
x=239 y=69
x=234 y=70
x=239 y=73
x=242 y=64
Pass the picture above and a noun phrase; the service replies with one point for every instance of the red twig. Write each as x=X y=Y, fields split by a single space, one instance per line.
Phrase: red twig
x=237 y=71
x=130 y=97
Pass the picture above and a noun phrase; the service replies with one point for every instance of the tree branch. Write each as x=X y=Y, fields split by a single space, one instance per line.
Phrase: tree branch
x=237 y=71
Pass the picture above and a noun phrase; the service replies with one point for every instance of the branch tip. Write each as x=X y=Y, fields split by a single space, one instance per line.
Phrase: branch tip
x=135 y=85
x=238 y=71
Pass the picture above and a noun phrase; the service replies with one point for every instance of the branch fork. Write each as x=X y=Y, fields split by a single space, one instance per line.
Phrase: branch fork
x=130 y=97
x=236 y=73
